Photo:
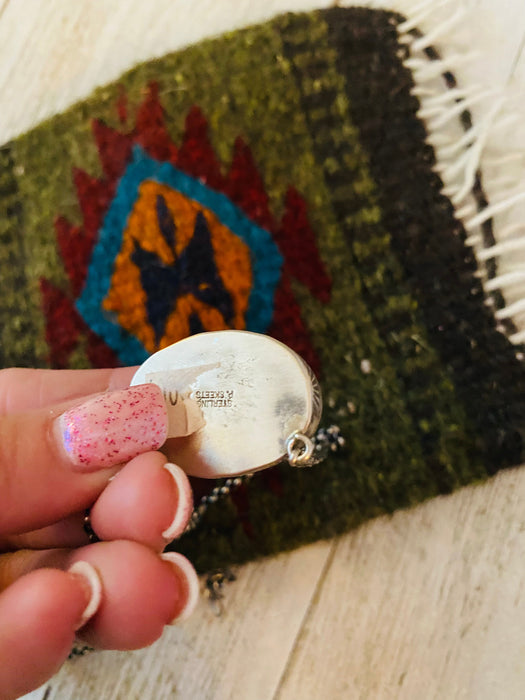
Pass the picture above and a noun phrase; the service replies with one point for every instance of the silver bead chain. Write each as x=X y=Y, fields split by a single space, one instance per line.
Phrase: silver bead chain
x=216 y=494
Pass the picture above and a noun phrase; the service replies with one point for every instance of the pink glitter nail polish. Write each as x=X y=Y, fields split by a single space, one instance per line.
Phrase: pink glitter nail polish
x=114 y=427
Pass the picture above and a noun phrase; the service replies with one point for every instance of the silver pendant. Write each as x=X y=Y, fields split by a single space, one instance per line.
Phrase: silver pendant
x=238 y=402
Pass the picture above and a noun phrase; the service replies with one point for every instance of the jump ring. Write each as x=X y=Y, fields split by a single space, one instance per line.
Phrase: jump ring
x=300 y=450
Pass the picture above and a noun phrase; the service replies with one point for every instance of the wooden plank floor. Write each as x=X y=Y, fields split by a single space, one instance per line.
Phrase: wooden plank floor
x=427 y=604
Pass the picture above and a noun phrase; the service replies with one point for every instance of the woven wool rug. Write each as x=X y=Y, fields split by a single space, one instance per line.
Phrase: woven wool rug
x=279 y=179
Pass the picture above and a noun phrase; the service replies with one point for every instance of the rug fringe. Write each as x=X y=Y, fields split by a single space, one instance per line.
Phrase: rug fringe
x=469 y=160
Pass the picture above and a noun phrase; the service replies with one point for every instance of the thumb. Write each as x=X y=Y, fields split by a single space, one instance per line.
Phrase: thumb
x=56 y=461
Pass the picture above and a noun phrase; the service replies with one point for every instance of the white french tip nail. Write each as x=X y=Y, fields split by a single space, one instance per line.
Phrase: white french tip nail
x=184 y=503
x=190 y=581
x=91 y=579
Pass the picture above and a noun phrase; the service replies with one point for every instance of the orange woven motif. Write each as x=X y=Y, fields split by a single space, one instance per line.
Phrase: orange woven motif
x=127 y=297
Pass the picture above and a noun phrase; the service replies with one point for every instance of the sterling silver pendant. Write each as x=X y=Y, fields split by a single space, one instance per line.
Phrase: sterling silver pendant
x=238 y=402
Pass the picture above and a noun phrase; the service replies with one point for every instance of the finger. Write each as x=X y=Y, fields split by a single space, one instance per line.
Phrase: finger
x=26 y=389
x=68 y=532
x=142 y=592
x=55 y=462
x=149 y=501
x=39 y=614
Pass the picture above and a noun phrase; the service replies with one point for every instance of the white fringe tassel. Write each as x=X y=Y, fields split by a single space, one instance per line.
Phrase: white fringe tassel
x=462 y=154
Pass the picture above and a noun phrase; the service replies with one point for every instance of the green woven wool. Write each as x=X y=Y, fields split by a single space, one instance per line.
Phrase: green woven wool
x=307 y=123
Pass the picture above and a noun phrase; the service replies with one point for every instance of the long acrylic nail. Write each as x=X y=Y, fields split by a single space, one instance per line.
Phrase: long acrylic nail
x=89 y=579
x=187 y=577
x=114 y=427
x=184 y=504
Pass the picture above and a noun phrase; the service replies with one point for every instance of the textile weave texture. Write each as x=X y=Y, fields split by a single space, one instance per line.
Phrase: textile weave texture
x=278 y=180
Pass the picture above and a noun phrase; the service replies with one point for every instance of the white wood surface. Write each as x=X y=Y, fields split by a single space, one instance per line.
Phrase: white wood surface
x=427 y=604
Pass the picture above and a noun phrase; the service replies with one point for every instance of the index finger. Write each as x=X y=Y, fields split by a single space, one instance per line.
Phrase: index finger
x=26 y=389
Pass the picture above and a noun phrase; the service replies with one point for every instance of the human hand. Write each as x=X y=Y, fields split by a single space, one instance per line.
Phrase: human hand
x=65 y=446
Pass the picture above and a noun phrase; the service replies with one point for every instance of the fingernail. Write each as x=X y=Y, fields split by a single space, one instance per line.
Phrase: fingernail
x=114 y=427
x=184 y=504
x=189 y=582
x=89 y=579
